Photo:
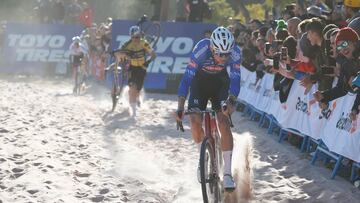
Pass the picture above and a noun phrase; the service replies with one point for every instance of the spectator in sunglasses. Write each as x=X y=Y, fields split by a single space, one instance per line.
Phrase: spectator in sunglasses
x=345 y=42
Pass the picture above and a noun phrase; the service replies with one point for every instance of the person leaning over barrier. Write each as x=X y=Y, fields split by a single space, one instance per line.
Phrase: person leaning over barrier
x=346 y=45
x=314 y=33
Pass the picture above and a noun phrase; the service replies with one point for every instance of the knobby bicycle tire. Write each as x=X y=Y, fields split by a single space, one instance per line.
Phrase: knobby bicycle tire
x=151 y=31
x=208 y=177
x=77 y=80
x=115 y=89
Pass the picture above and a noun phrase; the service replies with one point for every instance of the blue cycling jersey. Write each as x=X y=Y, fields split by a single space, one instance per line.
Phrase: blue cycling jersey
x=202 y=59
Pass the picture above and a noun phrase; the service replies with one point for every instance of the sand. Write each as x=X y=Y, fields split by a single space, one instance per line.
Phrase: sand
x=57 y=147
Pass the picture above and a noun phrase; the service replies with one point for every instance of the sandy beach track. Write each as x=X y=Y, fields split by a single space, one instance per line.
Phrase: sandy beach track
x=56 y=147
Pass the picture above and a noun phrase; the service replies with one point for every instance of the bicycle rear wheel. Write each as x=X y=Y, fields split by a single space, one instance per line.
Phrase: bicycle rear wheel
x=208 y=173
x=77 y=80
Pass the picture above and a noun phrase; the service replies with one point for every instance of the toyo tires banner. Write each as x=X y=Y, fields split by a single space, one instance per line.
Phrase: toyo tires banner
x=173 y=51
x=31 y=48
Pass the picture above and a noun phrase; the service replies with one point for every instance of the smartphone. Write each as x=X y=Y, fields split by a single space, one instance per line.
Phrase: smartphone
x=328 y=70
x=284 y=53
x=267 y=48
x=276 y=61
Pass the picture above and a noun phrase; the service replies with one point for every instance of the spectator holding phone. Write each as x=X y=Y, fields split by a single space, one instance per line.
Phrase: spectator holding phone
x=314 y=33
x=346 y=40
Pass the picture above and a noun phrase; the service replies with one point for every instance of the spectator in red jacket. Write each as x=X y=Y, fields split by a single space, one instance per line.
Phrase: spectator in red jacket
x=86 y=16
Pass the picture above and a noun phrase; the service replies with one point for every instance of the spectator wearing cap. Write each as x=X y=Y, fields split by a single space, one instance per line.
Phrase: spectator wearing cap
x=355 y=25
x=281 y=24
x=292 y=25
x=315 y=12
x=345 y=41
x=314 y=33
x=351 y=9
x=321 y=5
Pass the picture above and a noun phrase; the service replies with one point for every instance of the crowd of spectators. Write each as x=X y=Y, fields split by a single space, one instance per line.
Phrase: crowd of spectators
x=192 y=10
x=313 y=43
x=63 y=11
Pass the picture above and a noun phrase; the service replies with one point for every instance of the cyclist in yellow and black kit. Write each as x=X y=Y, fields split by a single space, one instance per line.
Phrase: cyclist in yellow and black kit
x=140 y=54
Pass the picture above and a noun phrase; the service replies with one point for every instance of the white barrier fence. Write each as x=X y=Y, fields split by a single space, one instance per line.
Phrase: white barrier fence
x=301 y=112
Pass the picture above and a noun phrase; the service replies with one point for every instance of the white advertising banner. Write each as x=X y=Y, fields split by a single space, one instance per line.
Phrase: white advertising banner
x=301 y=112
x=340 y=134
x=265 y=92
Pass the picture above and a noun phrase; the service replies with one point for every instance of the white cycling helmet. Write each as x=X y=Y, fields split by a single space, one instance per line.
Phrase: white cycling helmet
x=134 y=30
x=76 y=39
x=222 y=40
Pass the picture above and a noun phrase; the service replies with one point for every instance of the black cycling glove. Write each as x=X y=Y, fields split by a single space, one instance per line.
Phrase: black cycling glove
x=146 y=64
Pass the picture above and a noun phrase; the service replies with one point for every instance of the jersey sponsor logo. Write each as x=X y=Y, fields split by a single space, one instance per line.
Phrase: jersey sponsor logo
x=213 y=68
x=236 y=54
x=200 y=52
x=39 y=48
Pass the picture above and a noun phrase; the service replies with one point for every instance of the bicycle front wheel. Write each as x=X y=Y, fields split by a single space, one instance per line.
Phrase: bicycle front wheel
x=152 y=31
x=115 y=92
x=208 y=173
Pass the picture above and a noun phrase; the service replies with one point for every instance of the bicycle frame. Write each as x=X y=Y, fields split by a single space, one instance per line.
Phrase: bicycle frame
x=118 y=82
x=212 y=132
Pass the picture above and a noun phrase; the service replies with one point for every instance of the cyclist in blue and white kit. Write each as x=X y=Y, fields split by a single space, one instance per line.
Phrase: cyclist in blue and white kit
x=207 y=78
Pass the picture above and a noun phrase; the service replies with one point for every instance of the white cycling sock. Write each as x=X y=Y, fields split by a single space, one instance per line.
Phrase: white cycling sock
x=227 y=162
x=133 y=108
x=198 y=145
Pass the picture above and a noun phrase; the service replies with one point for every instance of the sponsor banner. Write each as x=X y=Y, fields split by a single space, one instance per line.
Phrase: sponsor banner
x=301 y=112
x=265 y=93
x=173 y=48
x=31 y=48
x=342 y=135
x=247 y=93
x=244 y=82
